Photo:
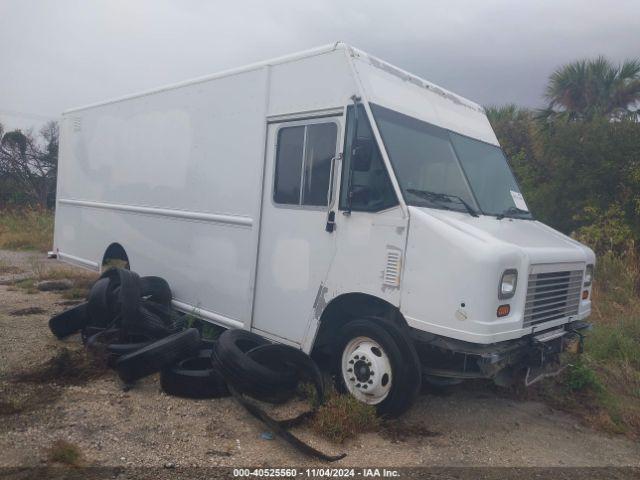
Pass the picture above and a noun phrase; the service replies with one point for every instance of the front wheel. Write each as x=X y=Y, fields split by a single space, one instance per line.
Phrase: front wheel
x=377 y=364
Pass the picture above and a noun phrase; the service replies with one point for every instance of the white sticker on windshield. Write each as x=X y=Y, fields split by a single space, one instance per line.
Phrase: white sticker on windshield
x=518 y=199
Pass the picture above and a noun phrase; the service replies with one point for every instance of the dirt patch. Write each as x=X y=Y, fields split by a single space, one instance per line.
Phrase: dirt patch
x=67 y=367
x=400 y=430
x=21 y=398
x=24 y=312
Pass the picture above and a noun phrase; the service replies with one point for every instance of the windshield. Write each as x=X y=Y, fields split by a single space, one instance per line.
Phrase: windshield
x=432 y=164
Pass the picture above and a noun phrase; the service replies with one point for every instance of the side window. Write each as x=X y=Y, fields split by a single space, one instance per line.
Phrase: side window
x=370 y=185
x=303 y=164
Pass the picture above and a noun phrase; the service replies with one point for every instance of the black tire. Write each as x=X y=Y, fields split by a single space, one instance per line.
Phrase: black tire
x=194 y=377
x=246 y=374
x=109 y=345
x=130 y=299
x=150 y=324
x=156 y=289
x=121 y=343
x=284 y=358
x=102 y=305
x=70 y=321
x=405 y=364
x=171 y=321
x=157 y=355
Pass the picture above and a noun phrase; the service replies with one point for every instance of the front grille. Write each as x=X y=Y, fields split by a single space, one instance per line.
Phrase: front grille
x=551 y=296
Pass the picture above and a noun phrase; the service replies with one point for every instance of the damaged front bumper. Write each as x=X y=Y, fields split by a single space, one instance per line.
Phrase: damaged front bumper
x=539 y=355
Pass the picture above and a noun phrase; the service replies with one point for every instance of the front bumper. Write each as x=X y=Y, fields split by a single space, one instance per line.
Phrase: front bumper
x=538 y=354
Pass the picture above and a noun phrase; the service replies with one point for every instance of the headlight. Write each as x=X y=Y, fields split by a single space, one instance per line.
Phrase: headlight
x=508 y=284
x=588 y=275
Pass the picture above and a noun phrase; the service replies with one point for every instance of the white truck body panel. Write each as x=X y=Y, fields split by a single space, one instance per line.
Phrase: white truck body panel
x=182 y=178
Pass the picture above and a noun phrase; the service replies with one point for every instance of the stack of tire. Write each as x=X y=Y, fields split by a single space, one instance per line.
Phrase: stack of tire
x=128 y=320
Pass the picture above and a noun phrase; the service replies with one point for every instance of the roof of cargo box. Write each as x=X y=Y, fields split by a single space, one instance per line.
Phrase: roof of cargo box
x=381 y=83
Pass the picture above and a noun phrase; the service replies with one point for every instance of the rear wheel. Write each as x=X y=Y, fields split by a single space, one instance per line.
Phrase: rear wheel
x=377 y=364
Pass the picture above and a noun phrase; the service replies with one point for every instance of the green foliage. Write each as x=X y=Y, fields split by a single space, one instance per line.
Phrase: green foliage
x=604 y=231
x=342 y=417
x=578 y=177
x=581 y=377
x=28 y=166
x=587 y=89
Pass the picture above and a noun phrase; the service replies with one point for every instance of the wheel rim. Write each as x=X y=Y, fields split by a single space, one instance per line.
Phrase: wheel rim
x=366 y=370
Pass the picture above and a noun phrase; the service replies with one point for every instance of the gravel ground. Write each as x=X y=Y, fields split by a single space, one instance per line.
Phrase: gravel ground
x=144 y=427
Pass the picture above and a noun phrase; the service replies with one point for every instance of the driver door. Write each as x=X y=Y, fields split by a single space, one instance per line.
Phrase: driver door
x=295 y=250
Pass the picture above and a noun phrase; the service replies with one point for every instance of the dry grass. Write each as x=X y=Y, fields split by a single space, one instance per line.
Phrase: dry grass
x=81 y=280
x=342 y=417
x=26 y=229
x=65 y=453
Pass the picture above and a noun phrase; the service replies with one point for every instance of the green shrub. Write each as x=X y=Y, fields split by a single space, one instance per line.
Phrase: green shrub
x=581 y=377
x=342 y=417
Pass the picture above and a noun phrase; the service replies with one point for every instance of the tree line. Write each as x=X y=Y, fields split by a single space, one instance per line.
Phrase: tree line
x=577 y=160
x=28 y=167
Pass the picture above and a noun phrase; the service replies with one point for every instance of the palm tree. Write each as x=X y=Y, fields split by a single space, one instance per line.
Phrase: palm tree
x=589 y=88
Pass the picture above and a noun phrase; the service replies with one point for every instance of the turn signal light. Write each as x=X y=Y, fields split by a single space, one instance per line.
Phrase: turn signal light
x=503 y=310
x=585 y=294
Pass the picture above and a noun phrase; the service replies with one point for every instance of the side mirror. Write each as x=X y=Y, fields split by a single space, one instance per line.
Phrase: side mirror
x=361 y=155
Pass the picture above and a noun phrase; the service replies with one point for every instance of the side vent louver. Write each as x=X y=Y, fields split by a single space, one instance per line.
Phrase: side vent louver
x=392 y=269
x=77 y=124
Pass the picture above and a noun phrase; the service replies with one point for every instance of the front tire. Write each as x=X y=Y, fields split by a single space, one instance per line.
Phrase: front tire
x=377 y=363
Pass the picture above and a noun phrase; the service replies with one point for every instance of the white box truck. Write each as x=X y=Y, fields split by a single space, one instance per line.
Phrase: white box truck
x=333 y=202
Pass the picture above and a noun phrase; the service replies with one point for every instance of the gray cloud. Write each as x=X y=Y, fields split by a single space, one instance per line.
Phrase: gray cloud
x=57 y=55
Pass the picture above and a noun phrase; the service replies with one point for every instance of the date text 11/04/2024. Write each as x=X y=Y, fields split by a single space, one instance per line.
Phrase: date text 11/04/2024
x=316 y=472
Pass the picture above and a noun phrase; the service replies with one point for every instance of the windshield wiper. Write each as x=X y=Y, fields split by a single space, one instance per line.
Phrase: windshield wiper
x=442 y=197
x=509 y=212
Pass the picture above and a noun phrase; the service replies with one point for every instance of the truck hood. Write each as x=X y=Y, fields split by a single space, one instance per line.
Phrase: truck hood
x=539 y=242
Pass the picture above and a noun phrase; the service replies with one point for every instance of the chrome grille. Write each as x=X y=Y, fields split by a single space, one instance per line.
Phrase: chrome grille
x=552 y=295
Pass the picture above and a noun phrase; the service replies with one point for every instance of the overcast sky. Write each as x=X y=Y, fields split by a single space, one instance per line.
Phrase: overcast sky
x=65 y=53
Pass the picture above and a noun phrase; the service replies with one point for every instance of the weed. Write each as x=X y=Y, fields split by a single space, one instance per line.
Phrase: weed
x=581 y=377
x=342 y=417
x=65 y=452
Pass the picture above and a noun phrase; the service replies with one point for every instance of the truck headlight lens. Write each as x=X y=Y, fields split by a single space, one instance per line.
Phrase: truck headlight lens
x=588 y=275
x=508 y=284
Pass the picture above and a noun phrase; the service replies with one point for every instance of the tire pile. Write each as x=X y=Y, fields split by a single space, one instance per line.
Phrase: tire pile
x=128 y=320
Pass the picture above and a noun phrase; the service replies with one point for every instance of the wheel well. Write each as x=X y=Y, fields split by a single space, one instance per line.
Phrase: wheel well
x=115 y=256
x=347 y=306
